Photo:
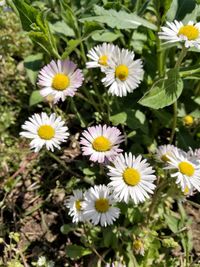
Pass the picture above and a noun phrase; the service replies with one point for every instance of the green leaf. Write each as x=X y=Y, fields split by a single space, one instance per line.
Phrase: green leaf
x=35 y=98
x=119 y=20
x=33 y=64
x=71 y=46
x=119 y=118
x=90 y=27
x=27 y=14
x=106 y=36
x=66 y=228
x=164 y=92
x=172 y=222
x=75 y=252
x=60 y=27
x=185 y=7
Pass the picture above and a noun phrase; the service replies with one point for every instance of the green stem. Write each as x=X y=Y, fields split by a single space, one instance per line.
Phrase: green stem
x=155 y=198
x=175 y=104
x=174 y=122
x=77 y=113
x=65 y=167
x=108 y=107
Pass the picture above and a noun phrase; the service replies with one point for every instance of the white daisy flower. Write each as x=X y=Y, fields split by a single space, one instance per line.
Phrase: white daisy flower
x=162 y=152
x=60 y=79
x=74 y=203
x=101 y=143
x=124 y=73
x=177 y=32
x=187 y=169
x=45 y=130
x=131 y=178
x=100 y=56
x=98 y=206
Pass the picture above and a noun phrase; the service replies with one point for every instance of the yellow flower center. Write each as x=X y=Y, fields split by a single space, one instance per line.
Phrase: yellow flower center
x=46 y=132
x=188 y=120
x=103 y=60
x=137 y=244
x=78 y=205
x=102 y=205
x=186 y=168
x=165 y=158
x=190 y=31
x=101 y=144
x=186 y=190
x=121 y=72
x=131 y=176
x=60 y=82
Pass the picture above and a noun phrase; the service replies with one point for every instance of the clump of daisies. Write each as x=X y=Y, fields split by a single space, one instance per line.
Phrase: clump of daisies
x=188 y=34
x=184 y=166
x=59 y=79
x=44 y=130
x=123 y=74
x=96 y=205
x=186 y=170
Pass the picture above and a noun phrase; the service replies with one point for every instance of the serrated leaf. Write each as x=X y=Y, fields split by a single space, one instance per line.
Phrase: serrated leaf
x=163 y=92
x=119 y=20
x=75 y=252
x=35 y=98
x=33 y=64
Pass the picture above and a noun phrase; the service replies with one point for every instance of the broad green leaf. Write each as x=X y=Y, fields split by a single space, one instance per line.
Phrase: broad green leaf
x=35 y=98
x=164 y=92
x=119 y=118
x=185 y=7
x=106 y=36
x=119 y=20
x=171 y=13
x=60 y=27
x=33 y=64
x=172 y=222
x=180 y=9
x=75 y=252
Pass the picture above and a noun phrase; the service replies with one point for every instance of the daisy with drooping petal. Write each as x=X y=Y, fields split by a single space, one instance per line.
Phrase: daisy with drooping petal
x=99 y=206
x=178 y=32
x=162 y=152
x=100 y=55
x=124 y=74
x=60 y=79
x=74 y=203
x=131 y=178
x=101 y=143
x=187 y=169
x=188 y=191
x=45 y=130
